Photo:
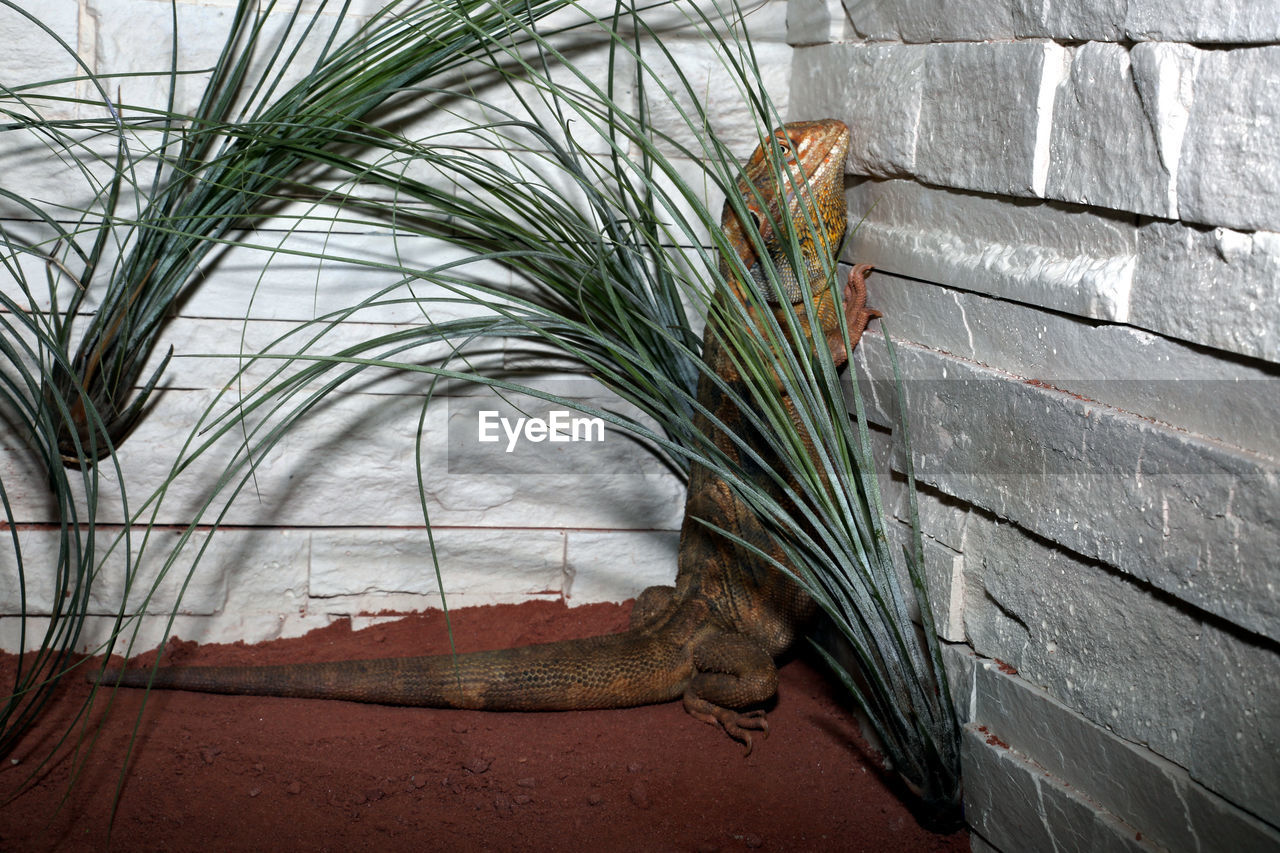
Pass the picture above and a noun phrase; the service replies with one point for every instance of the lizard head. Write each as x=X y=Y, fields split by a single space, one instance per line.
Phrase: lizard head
x=797 y=176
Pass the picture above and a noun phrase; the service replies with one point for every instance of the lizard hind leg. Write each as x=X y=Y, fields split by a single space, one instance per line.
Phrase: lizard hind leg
x=731 y=673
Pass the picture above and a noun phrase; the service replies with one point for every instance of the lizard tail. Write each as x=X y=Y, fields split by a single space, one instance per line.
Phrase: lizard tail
x=612 y=671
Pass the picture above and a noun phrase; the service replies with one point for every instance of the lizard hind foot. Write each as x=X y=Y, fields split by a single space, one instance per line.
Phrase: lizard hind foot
x=738 y=725
x=731 y=672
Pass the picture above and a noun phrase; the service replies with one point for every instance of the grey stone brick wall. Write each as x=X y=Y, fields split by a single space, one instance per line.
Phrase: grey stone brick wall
x=1071 y=209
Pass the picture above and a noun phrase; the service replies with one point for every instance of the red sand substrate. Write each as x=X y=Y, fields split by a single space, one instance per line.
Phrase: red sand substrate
x=223 y=773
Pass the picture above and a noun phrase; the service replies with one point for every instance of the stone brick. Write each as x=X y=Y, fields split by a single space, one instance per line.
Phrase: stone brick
x=1164 y=76
x=941 y=518
x=459 y=98
x=241 y=580
x=1120 y=366
x=611 y=484
x=367 y=443
x=1043 y=254
x=765 y=22
x=250 y=626
x=17 y=633
x=1156 y=796
x=984 y=111
x=1092 y=638
x=1220 y=21
x=978 y=844
x=939 y=21
x=280 y=276
x=39 y=551
x=1218 y=822
x=473 y=562
x=961 y=666
x=136 y=37
x=1223 y=21
x=266 y=571
x=875 y=89
x=583 y=13
x=1186 y=514
x=944 y=580
x=617 y=565
x=1082 y=20
x=1234 y=22
x=298 y=275
x=1117 y=128
x=25 y=477
x=1015 y=805
x=213 y=352
x=1216 y=287
x=233 y=570
x=1127 y=659
x=1229 y=173
x=872 y=20
x=33 y=56
x=719 y=91
x=1237 y=748
x=59 y=178
x=471 y=97
x=24 y=281
x=817 y=22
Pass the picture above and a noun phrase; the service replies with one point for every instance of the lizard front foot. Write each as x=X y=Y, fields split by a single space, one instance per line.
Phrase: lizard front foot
x=856 y=312
x=736 y=724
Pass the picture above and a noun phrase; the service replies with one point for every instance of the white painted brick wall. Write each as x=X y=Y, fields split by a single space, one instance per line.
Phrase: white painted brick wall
x=32 y=56
x=1072 y=208
x=331 y=526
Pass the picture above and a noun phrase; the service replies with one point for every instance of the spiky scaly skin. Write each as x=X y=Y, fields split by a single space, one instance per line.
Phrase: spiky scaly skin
x=713 y=637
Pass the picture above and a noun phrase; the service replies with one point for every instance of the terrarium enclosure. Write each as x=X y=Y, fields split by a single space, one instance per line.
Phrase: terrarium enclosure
x=1073 y=210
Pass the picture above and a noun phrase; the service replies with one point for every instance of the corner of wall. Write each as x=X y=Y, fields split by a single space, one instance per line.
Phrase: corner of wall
x=1072 y=215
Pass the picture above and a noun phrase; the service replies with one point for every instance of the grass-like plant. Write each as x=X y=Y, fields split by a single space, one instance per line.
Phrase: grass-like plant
x=617 y=255
x=251 y=138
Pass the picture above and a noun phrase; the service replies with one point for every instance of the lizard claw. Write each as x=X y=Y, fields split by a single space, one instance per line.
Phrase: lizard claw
x=736 y=724
x=740 y=727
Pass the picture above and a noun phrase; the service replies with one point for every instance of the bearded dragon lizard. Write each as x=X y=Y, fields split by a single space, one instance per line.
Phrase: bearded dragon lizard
x=710 y=640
